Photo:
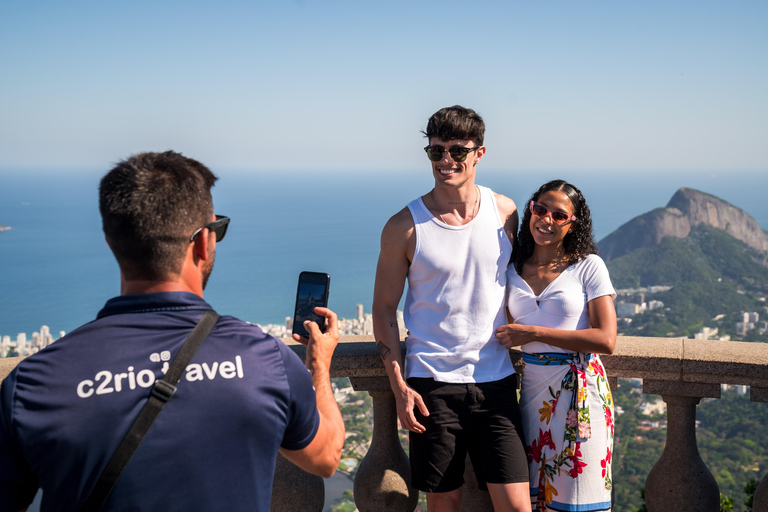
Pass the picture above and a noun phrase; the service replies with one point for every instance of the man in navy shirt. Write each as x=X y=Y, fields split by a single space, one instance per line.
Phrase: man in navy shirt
x=243 y=398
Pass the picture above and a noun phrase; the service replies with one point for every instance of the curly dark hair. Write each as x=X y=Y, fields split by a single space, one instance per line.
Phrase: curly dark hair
x=578 y=243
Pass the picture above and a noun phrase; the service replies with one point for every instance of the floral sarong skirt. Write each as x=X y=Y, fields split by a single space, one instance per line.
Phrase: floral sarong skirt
x=568 y=421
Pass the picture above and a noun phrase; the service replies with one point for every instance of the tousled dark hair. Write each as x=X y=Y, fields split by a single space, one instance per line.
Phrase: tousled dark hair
x=150 y=204
x=456 y=122
x=578 y=243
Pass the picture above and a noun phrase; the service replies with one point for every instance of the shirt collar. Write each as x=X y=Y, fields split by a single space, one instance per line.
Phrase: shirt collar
x=151 y=302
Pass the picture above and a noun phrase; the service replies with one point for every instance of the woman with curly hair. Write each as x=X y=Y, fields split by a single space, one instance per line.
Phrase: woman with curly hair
x=562 y=315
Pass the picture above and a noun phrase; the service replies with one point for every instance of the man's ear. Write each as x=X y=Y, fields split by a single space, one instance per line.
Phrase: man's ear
x=479 y=154
x=200 y=248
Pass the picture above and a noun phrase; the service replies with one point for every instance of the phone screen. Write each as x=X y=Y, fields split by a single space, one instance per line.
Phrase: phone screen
x=312 y=292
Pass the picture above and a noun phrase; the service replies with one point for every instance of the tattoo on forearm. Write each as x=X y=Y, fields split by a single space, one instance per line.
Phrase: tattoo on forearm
x=383 y=349
x=393 y=324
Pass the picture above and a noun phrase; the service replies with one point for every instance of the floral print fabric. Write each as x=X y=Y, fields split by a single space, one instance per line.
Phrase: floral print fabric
x=568 y=421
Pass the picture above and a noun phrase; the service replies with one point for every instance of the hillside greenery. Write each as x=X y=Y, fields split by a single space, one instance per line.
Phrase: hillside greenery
x=711 y=273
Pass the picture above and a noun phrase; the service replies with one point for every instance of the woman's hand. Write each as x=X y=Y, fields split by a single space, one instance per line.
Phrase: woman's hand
x=515 y=335
x=600 y=338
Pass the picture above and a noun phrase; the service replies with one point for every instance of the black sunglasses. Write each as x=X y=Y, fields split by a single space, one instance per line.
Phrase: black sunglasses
x=219 y=226
x=458 y=153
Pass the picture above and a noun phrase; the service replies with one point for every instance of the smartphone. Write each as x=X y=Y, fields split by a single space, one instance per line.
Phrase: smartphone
x=312 y=292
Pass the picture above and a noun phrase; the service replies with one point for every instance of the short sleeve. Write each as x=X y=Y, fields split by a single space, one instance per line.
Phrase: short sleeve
x=303 y=419
x=18 y=484
x=597 y=282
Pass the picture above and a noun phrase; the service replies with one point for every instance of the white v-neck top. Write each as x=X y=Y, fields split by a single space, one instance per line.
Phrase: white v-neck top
x=563 y=303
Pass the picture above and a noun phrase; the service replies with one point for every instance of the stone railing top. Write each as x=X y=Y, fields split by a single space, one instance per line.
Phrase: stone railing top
x=669 y=359
x=665 y=359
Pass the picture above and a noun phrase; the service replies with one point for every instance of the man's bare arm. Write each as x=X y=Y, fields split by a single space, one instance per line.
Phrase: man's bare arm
x=508 y=215
x=397 y=246
x=322 y=455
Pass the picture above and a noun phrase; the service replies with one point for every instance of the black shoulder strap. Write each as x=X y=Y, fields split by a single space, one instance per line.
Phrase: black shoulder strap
x=162 y=391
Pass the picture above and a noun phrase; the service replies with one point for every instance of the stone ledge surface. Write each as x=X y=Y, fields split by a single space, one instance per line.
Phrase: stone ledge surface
x=662 y=359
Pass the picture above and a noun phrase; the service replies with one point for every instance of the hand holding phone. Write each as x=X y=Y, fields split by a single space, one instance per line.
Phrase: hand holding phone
x=312 y=292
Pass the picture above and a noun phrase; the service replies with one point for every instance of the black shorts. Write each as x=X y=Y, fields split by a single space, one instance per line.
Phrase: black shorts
x=482 y=420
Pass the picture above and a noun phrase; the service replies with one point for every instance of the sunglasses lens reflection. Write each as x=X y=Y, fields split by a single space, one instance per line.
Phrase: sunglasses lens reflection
x=435 y=153
x=538 y=210
x=459 y=154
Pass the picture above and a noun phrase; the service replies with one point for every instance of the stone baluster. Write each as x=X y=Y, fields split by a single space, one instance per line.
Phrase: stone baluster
x=382 y=482
x=680 y=481
x=760 y=501
x=295 y=489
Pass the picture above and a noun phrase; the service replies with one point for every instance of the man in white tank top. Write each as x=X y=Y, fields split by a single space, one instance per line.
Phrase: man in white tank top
x=455 y=389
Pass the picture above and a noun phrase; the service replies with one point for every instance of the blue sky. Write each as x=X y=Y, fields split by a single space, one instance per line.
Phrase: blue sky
x=347 y=85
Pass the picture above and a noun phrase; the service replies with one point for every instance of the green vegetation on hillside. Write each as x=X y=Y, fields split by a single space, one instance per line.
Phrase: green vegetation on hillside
x=705 y=255
x=711 y=273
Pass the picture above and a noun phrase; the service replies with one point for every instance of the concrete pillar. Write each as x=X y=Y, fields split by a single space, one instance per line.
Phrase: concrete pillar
x=383 y=480
x=680 y=481
x=295 y=489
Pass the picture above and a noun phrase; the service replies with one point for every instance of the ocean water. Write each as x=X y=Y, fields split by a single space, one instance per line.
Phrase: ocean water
x=56 y=270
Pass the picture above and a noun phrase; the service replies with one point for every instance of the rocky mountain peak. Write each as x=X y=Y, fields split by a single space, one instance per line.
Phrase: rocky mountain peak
x=687 y=209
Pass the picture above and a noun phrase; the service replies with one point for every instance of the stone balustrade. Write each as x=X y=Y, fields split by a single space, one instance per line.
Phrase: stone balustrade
x=682 y=371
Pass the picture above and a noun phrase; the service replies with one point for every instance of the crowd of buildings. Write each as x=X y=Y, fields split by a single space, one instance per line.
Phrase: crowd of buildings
x=749 y=321
x=629 y=302
x=632 y=301
x=362 y=324
x=24 y=347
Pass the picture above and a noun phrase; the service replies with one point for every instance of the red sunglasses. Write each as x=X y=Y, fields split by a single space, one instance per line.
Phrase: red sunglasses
x=559 y=218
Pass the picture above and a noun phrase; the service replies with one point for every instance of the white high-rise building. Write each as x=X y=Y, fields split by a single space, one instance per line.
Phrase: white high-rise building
x=359 y=309
x=45 y=336
x=752 y=317
x=368 y=324
x=21 y=342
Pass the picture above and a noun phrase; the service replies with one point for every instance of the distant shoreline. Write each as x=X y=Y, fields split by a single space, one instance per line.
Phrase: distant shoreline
x=4 y=228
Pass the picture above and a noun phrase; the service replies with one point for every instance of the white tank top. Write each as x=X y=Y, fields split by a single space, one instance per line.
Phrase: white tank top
x=455 y=300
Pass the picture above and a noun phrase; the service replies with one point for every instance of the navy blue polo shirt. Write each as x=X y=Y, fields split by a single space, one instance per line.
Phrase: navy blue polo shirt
x=64 y=411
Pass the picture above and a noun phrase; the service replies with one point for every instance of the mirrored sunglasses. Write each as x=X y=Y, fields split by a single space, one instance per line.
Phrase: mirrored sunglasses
x=458 y=153
x=219 y=226
x=560 y=218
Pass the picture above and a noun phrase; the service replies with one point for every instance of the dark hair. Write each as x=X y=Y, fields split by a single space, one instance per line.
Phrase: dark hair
x=150 y=204
x=456 y=122
x=578 y=243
